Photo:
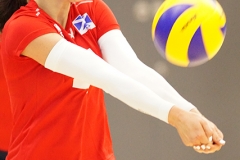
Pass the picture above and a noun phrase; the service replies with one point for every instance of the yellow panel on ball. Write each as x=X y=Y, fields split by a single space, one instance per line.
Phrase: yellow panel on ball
x=181 y=35
x=214 y=29
x=183 y=31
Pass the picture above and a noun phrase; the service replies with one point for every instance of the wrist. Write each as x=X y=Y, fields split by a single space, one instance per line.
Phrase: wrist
x=174 y=115
x=195 y=110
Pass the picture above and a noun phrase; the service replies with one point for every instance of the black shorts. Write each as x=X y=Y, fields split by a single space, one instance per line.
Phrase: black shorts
x=3 y=155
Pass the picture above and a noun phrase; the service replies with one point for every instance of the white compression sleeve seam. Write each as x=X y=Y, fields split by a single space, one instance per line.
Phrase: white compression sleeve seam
x=76 y=62
x=117 y=51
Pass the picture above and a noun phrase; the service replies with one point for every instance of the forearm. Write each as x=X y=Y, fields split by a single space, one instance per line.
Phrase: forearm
x=74 y=61
x=159 y=85
x=117 y=52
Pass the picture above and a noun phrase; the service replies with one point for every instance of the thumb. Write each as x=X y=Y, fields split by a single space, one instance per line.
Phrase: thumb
x=208 y=131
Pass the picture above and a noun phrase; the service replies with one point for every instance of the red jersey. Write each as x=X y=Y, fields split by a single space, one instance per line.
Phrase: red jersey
x=52 y=119
x=5 y=111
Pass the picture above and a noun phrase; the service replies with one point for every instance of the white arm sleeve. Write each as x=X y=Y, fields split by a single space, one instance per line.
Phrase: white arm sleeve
x=76 y=62
x=118 y=53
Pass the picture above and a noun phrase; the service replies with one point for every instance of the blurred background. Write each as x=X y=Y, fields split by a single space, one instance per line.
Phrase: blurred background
x=213 y=87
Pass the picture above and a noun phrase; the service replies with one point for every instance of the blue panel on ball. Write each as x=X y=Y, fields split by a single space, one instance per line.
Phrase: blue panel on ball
x=165 y=25
x=224 y=29
x=196 y=51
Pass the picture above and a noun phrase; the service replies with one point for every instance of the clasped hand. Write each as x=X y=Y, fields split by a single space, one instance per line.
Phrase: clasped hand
x=196 y=131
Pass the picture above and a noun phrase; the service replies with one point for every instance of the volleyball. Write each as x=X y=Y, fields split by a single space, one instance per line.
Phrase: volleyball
x=188 y=33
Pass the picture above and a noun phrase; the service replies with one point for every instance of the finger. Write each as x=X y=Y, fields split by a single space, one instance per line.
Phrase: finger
x=218 y=140
x=221 y=142
x=210 y=139
x=218 y=137
x=196 y=147
x=215 y=147
x=199 y=139
x=202 y=147
x=208 y=132
x=207 y=149
x=207 y=128
x=220 y=134
x=200 y=150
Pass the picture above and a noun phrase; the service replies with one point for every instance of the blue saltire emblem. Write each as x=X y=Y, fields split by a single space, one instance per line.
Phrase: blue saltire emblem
x=83 y=23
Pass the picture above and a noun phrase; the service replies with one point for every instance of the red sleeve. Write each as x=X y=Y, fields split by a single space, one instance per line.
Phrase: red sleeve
x=23 y=30
x=105 y=19
x=5 y=113
x=5 y=110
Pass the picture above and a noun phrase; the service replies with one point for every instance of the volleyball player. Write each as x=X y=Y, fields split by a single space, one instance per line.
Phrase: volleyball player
x=59 y=56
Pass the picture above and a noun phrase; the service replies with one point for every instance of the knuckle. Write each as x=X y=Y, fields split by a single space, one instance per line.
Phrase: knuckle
x=204 y=122
x=198 y=137
x=187 y=143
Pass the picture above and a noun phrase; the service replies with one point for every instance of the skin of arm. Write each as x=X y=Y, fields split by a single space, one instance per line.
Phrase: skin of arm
x=193 y=128
x=117 y=51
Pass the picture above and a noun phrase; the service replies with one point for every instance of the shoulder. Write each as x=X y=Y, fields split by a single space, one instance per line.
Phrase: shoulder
x=27 y=17
x=90 y=3
x=25 y=25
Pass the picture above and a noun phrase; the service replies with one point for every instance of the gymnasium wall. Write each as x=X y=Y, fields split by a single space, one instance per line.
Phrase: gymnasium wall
x=212 y=87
